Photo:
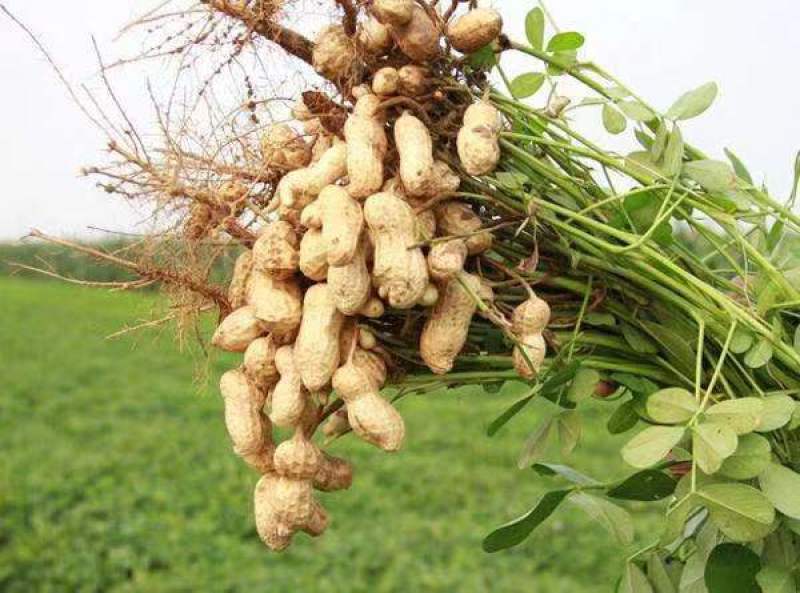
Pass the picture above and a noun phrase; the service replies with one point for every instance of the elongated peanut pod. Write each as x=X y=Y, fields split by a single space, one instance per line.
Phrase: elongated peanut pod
x=478 y=144
x=249 y=430
x=334 y=54
x=298 y=188
x=259 y=363
x=313 y=255
x=447 y=259
x=283 y=148
x=350 y=284
x=386 y=81
x=342 y=221
x=297 y=461
x=238 y=329
x=419 y=38
x=366 y=148
x=527 y=323
x=373 y=418
x=393 y=12
x=316 y=350
x=334 y=473
x=457 y=219
x=277 y=302
x=399 y=271
x=374 y=38
x=276 y=250
x=275 y=535
x=445 y=331
x=475 y=29
x=237 y=289
x=289 y=398
x=415 y=147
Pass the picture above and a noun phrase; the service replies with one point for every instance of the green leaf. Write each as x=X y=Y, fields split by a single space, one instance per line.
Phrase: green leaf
x=680 y=351
x=776 y=579
x=658 y=575
x=713 y=444
x=732 y=568
x=613 y=121
x=651 y=445
x=673 y=155
x=797 y=339
x=561 y=61
x=636 y=110
x=693 y=576
x=483 y=59
x=778 y=411
x=534 y=28
x=600 y=319
x=526 y=85
x=781 y=486
x=750 y=458
x=616 y=520
x=636 y=384
x=741 y=512
x=742 y=415
x=564 y=471
x=741 y=342
x=583 y=384
x=516 y=531
x=660 y=141
x=714 y=176
x=569 y=431
x=623 y=419
x=536 y=445
x=638 y=340
x=673 y=405
x=738 y=166
x=759 y=355
x=634 y=580
x=565 y=41
x=617 y=92
x=646 y=485
x=510 y=412
x=694 y=102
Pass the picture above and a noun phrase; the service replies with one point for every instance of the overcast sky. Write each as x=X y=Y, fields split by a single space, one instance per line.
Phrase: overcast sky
x=661 y=49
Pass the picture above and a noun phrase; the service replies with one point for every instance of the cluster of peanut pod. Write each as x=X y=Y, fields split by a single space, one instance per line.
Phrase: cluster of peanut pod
x=361 y=224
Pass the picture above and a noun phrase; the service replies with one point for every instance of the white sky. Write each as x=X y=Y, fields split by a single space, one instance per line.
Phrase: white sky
x=661 y=49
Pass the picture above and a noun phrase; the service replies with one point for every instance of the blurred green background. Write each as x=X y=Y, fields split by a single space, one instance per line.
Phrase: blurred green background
x=116 y=474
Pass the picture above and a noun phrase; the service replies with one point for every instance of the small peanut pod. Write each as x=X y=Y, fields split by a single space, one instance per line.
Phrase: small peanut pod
x=337 y=424
x=289 y=398
x=316 y=350
x=374 y=37
x=430 y=297
x=333 y=474
x=259 y=363
x=399 y=271
x=478 y=145
x=475 y=29
x=275 y=250
x=419 y=38
x=342 y=221
x=334 y=54
x=237 y=289
x=393 y=12
x=447 y=259
x=298 y=188
x=283 y=148
x=366 y=339
x=311 y=216
x=373 y=418
x=413 y=80
x=350 y=284
x=527 y=323
x=238 y=330
x=313 y=255
x=386 y=81
x=372 y=309
x=445 y=331
x=366 y=148
x=415 y=147
x=277 y=302
x=248 y=428
x=457 y=219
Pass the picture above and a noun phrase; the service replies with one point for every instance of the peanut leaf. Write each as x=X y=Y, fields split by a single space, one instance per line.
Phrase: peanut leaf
x=567 y=41
x=613 y=121
x=515 y=532
x=534 y=28
x=526 y=85
x=651 y=445
x=694 y=102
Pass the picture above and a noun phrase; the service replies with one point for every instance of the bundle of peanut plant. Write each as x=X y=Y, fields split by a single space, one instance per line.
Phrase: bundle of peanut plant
x=422 y=221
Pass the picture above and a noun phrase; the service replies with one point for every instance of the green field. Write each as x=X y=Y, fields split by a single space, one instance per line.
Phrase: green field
x=116 y=476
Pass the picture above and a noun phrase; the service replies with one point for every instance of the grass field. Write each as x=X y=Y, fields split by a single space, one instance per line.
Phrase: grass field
x=116 y=476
